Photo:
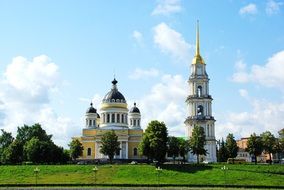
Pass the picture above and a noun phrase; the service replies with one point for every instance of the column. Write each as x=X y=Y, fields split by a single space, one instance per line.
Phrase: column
x=120 y=152
x=126 y=149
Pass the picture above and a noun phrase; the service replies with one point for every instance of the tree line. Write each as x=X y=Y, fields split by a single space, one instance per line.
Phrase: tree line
x=31 y=144
x=156 y=144
x=266 y=142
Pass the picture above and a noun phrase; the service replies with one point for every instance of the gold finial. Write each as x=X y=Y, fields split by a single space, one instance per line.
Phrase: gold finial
x=197 y=58
x=197 y=39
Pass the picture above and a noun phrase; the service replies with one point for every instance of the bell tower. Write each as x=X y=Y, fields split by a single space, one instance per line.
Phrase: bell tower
x=199 y=105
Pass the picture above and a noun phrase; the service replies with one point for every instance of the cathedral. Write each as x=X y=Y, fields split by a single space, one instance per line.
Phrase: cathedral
x=114 y=115
x=200 y=106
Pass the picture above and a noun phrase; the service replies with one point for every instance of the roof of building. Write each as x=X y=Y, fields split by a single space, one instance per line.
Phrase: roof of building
x=91 y=109
x=114 y=95
x=134 y=109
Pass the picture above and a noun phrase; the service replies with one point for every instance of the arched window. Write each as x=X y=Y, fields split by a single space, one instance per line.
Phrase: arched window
x=200 y=110
x=135 y=152
x=89 y=151
x=199 y=91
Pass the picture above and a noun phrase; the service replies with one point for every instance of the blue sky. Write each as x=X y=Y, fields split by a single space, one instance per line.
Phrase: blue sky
x=58 y=56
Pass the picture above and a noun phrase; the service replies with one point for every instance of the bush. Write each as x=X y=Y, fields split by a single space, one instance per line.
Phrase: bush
x=235 y=161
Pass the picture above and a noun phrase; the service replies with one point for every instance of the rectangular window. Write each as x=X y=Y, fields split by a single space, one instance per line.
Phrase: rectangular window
x=108 y=118
x=118 y=118
x=135 y=152
x=89 y=151
x=134 y=122
x=122 y=118
x=113 y=118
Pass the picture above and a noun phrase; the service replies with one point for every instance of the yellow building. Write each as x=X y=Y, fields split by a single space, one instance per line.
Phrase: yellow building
x=114 y=115
x=243 y=154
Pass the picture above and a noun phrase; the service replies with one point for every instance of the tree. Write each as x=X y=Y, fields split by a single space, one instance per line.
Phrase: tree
x=144 y=147
x=231 y=146
x=280 y=149
x=26 y=133
x=173 y=147
x=197 y=142
x=65 y=156
x=110 y=144
x=32 y=150
x=254 y=146
x=154 y=142
x=76 y=149
x=5 y=140
x=222 y=152
x=31 y=144
x=11 y=153
x=183 y=148
x=268 y=143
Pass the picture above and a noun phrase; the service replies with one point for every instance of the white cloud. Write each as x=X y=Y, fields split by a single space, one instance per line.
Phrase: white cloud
x=273 y=7
x=26 y=87
x=167 y=7
x=97 y=100
x=249 y=9
x=270 y=75
x=166 y=102
x=265 y=116
x=243 y=93
x=138 y=37
x=144 y=74
x=172 y=42
x=241 y=72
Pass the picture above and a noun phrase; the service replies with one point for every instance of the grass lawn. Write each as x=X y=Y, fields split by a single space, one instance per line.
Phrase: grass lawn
x=211 y=174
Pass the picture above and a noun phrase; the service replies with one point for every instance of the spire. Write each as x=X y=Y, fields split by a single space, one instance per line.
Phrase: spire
x=197 y=39
x=197 y=58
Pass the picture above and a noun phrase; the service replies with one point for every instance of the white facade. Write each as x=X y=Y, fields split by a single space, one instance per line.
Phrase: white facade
x=200 y=106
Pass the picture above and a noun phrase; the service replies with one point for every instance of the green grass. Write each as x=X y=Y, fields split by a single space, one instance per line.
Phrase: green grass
x=272 y=175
